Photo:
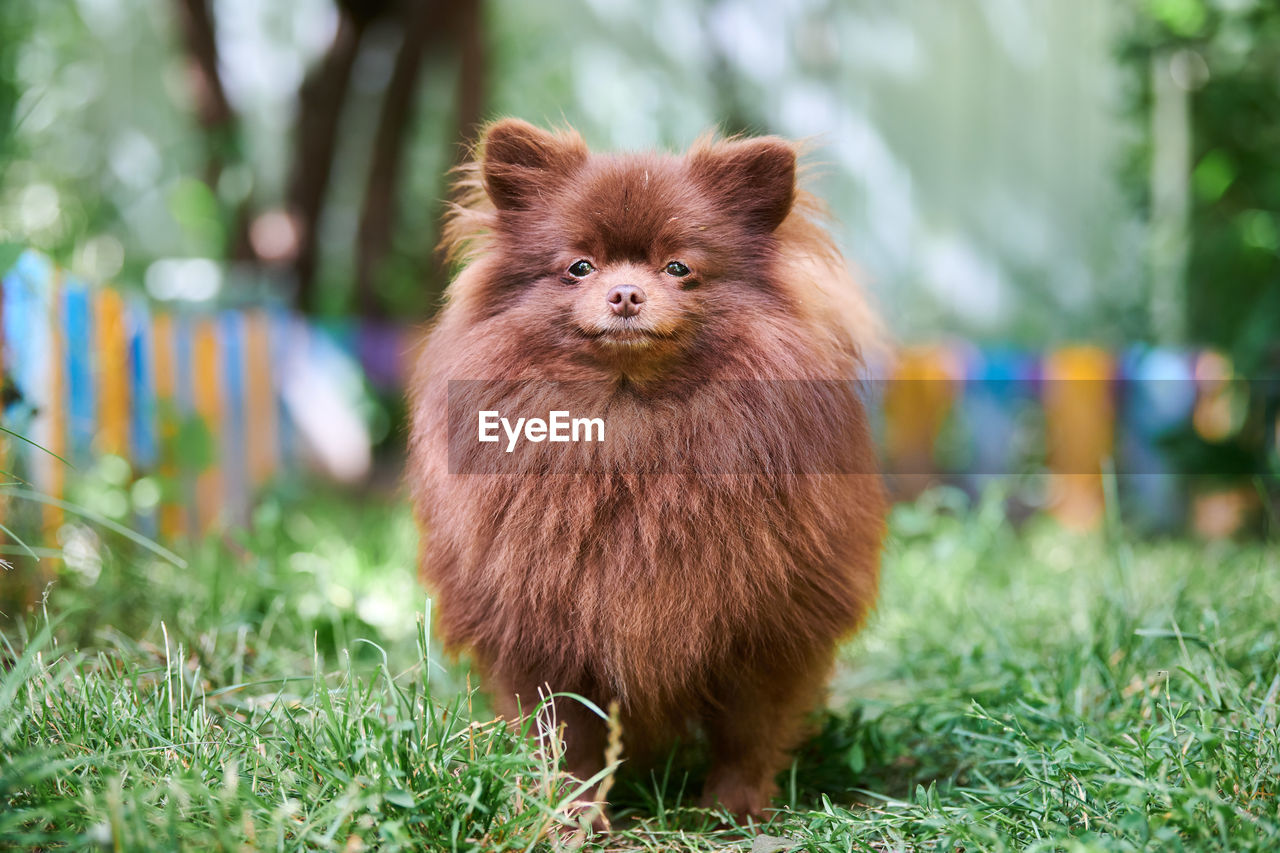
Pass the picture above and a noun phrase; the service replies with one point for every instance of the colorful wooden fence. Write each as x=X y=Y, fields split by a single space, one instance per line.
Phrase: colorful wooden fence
x=963 y=413
x=96 y=371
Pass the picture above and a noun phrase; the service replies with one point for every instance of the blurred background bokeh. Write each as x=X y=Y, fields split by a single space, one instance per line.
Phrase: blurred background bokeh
x=981 y=157
x=1084 y=191
x=1013 y=172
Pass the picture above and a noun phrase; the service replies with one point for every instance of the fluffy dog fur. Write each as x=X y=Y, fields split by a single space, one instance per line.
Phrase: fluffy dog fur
x=696 y=595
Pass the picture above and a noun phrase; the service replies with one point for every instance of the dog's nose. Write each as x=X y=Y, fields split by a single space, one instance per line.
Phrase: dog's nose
x=625 y=300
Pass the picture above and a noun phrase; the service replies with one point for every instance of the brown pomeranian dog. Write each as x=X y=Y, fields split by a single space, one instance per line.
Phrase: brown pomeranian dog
x=699 y=560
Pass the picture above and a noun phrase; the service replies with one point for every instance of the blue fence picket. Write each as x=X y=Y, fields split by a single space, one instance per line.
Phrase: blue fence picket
x=142 y=415
x=231 y=330
x=27 y=289
x=81 y=390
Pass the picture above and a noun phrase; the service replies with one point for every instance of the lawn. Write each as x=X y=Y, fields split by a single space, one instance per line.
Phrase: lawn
x=1018 y=688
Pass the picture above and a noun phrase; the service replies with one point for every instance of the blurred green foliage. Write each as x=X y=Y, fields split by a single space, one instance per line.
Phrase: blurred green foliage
x=966 y=148
x=1225 y=54
x=969 y=184
x=78 y=178
x=10 y=30
x=1232 y=53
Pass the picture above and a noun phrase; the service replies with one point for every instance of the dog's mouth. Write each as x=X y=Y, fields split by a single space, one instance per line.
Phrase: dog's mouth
x=624 y=336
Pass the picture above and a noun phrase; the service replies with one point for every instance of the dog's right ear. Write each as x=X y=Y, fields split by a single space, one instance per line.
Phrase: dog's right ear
x=521 y=162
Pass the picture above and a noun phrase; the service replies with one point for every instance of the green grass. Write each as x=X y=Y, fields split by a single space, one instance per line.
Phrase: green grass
x=1017 y=689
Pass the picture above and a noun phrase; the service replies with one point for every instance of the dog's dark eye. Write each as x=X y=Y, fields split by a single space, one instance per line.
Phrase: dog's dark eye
x=580 y=268
x=677 y=269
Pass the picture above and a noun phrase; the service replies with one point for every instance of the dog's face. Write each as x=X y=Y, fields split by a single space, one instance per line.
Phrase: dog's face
x=632 y=261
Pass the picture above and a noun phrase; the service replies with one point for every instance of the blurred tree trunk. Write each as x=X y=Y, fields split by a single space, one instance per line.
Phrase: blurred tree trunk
x=473 y=63
x=471 y=98
x=214 y=112
x=422 y=22
x=320 y=101
x=424 y=25
x=212 y=107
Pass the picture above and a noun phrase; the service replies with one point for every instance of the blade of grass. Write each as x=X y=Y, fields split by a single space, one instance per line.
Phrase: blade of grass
x=16 y=538
x=37 y=446
x=89 y=515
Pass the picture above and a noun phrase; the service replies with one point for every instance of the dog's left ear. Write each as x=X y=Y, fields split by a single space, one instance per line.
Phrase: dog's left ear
x=753 y=178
